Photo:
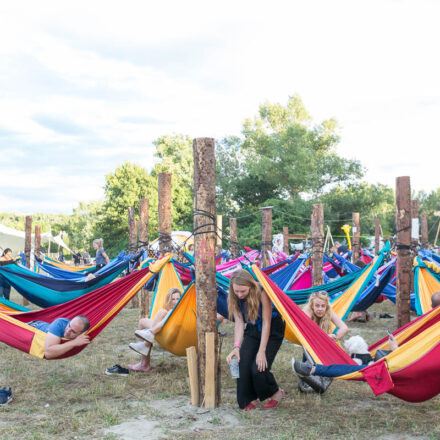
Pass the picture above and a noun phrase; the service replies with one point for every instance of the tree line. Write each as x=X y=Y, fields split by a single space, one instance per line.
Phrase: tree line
x=281 y=159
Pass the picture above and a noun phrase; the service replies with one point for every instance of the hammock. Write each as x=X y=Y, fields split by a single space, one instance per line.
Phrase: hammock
x=45 y=292
x=409 y=373
x=426 y=282
x=100 y=307
x=56 y=263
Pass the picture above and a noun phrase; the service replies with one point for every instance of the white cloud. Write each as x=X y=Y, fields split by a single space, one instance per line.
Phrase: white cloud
x=74 y=75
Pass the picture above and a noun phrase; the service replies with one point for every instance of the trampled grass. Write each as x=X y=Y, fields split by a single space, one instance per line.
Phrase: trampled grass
x=73 y=399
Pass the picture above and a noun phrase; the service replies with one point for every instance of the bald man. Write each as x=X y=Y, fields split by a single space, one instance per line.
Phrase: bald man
x=435 y=299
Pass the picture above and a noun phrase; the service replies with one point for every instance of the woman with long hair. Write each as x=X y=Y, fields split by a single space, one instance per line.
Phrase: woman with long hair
x=5 y=287
x=257 y=344
x=149 y=327
x=320 y=311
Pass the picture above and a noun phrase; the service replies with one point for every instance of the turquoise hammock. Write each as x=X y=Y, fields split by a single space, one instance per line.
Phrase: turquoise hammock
x=46 y=292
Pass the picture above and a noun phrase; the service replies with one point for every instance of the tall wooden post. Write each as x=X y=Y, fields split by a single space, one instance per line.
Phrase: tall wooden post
x=143 y=242
x=37 y=241
x=356 y=247
x=204 y=244
x=132 y=242
x=404 y=260
x=266 y=241
x=424 y=227
x=165 y=243
x=234 y=239
x=27 y=247
x=286 y=240
x=317 y=227
x=376 y=236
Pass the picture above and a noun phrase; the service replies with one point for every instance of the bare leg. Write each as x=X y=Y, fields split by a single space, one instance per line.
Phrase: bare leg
x=144 y=365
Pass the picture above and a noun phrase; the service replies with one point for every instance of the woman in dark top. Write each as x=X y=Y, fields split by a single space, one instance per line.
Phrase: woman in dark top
x=5 y=287
x=256 y=345
x=101 y=257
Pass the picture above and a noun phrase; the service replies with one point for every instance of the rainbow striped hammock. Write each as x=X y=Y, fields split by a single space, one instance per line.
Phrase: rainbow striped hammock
x=100 y=306
x=410 y=372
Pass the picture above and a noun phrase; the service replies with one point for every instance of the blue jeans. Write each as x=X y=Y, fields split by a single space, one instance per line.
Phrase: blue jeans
x=336 y=370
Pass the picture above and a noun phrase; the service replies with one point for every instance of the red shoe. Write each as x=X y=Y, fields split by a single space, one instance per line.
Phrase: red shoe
x=249 y=407
x=272 y=403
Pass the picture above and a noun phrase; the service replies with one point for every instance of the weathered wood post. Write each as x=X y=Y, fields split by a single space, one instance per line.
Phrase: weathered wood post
x=266 y=239
x=404 y=260
x=317 y=227
x=27 y=247
x=234 y=239
x=165 y=243
x=424 y=227
x=376 y=236
x=206 y=289
x=286 y=240
x=37 y=241
x=132 y=243
x=356 y=248
x=143 y=243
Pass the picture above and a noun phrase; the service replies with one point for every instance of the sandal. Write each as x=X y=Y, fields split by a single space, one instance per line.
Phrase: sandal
x=249 y=407
x=272 y=403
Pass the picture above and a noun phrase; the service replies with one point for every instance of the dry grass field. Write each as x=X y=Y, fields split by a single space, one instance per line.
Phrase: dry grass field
x=73 y=399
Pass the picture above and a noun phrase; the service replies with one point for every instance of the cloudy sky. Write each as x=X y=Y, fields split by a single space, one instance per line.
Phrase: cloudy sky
x=87 y=85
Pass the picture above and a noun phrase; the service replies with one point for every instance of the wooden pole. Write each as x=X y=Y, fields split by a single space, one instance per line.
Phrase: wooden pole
x=436 y=234
x=191 y=357
x=234 y=239
x=165 y=243
x=377 y=236
x=356 y=230
x=424 y=227
x=37 y=241
x=210 y=371
x=204 y=245
x=132 y=242
x=404 y=260
x=143 y=242
x=266 y=238
x=317 y=227
x=286 y=240
x=27 y=247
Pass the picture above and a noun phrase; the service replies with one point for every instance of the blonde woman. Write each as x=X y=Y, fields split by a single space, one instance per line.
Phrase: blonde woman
x=320 y=311
x=101 y=257
x=257 y=344
x=148 y=328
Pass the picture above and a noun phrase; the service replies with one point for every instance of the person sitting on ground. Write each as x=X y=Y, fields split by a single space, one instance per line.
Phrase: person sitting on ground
x=149 y=327
x=101 y=257
x=5 y=287
x=73 y=330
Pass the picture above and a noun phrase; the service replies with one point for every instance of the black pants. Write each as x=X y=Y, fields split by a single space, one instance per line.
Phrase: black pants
x=252 y=383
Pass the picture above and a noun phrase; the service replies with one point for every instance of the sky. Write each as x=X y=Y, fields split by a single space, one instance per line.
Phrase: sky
x=88 y=85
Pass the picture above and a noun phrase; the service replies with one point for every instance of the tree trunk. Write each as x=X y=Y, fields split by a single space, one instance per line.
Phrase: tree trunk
x=165 y=243
x=234 y=241
x=317 y=227
x=266 y=242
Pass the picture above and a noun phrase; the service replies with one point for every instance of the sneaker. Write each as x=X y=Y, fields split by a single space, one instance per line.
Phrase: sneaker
x=117 y=370
x=301 y=369
x=146 y=335
x=140 y=347
x=5 y=396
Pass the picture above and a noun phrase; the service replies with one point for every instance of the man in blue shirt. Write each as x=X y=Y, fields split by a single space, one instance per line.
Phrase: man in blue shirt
x=73 y=330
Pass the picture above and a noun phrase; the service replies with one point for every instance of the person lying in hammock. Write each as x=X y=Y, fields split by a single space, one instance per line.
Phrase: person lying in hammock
x=148 y=328
x=306 y=370
x=73 y=330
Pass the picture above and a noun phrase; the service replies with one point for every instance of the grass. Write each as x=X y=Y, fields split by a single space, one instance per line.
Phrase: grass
x=73 y=399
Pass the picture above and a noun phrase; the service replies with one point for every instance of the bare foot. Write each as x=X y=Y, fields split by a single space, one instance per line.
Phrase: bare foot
x=139 y=367
x=278 y=395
